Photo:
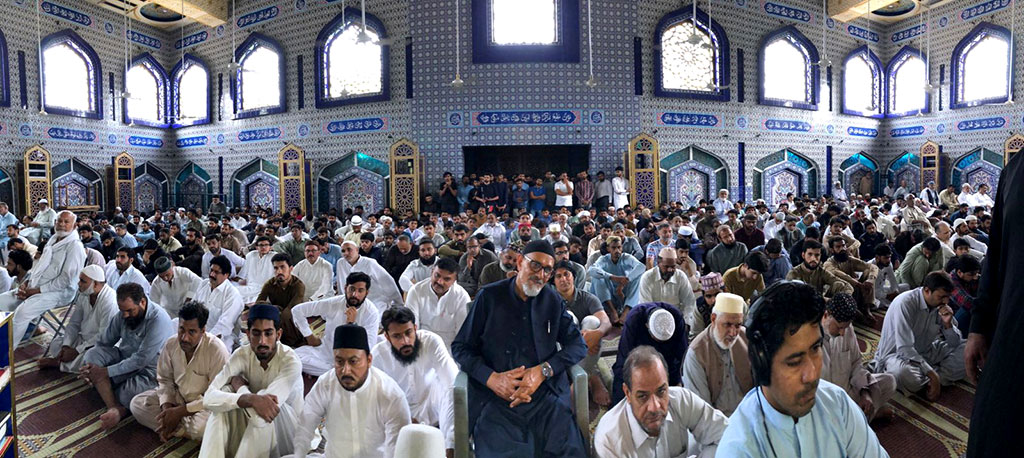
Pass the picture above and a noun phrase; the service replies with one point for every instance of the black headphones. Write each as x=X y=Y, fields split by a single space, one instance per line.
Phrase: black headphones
x=757 y=348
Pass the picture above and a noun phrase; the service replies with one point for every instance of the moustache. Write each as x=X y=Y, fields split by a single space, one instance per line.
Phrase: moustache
x=348 y=378
x=262 y=348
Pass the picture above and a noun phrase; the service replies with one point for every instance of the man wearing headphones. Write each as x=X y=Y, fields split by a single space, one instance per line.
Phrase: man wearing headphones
x=792 y=413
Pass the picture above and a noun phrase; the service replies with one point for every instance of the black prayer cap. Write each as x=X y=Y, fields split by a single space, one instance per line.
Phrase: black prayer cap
x=264 y=312
x=541 y=246
x=351 y=336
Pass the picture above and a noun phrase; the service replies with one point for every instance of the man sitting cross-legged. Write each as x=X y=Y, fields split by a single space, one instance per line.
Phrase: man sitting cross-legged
x=582 y=305
x=93 y=309
x=419 y=361
x=362 y=408
x=123 y=362
x=256 y=399
x=187 y=365
x=717 y=366
x=352 y=308
x=656 y=419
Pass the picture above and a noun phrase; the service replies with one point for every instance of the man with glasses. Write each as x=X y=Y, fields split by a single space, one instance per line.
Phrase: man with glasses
x=518 y=393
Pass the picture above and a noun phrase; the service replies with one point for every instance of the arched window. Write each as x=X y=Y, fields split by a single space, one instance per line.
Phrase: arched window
x=146 y=85
x=190 y=87
x=71 y=76
x=981 y=67
x=690 y=67
x=259 y=82
x=5 y=82
x=526 y=31
x=789 y=70
x=862 y=84
x=352 y=68
x=906 y=77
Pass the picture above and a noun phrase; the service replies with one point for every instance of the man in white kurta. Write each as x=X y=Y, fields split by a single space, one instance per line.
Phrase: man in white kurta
x=620 y=188
x=439 y=303
x=316 y=273
x=655 y=419
x=361 y=408
x=120 y=271
x=351 y=308
x=419 y=269
x=45 y=220
x=173 y=286
x=52 y=280
x=664 y=283
x=95 y=305
x=419 y=361
x=213 y=250
x=242 y=397
x=384 y=292
x=224 y=302
x=256 y=270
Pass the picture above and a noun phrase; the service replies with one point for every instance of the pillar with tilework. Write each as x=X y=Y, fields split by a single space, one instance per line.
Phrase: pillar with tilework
x=36 y=178
x=643 y=171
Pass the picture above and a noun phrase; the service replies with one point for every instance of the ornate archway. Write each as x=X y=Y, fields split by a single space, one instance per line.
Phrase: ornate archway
x=256 y=184
x=354 y=179
x=77 y=186
x=36 y=178
x=642 y=169
x=978 y=166
x=906 y=168
x=1012 y=146
x=150 y=188
x=193 y=187
x=692 y=174
x=859 y=174
x=783 y=172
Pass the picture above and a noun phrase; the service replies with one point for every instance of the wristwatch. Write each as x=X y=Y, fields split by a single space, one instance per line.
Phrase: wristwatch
x=546 y=370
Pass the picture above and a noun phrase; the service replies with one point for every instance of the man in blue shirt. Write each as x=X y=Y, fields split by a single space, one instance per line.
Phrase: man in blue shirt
x=6 y=219
x=792 y=413
x=518 y=390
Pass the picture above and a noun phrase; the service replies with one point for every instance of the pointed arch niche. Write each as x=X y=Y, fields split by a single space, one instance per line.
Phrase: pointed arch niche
x=193 y=187
x=692 y=174
x=860 y=174
x=355 y=179
x=150 y=188
x=1012 y=146
x=783 y=172
x=77 y=186
x=643 y=171
x=978 y=166
x=906 y=166
x=294 y=178
x=36 y=178
x=256 y=184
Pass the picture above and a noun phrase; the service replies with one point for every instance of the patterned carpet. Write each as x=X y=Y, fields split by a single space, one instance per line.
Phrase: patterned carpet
x=58 y=415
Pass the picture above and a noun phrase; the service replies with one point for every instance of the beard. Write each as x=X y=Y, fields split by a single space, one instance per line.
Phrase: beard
x=406 y=360
x=720 y=341
x=353 y=302
x=841 y=256
x=729 y=245
x=666 y=276
x=428 y=261
x=507 y=267
x=811 y=266
x=135 y=321
x=531 y=287
x=62 y=234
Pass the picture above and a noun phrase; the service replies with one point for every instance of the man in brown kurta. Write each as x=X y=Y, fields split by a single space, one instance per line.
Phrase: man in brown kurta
x=810 y=272
x=285 y=291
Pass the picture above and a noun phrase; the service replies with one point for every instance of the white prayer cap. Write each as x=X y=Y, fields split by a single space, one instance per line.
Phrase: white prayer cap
x=667 y=253
x=349 y=242
x=43 y=201
x=385 y=218
x=181 y=209
x=590 y=323
x=685 y=231
x=419 y=441
x=729 y=303
x=94 y=272
x=584 y=213
x=555 y=228
x=958 y=222
x=661 y=324
x=971 y=218
x=780 y=216
x=356 y=220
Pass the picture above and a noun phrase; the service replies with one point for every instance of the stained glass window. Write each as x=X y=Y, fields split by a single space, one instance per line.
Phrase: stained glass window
x=862 y=84
x=145 y=87
x=354 y=68
x=259 y=82
x=524 y=22
x=906 y=80
x=70 y=76
x=191 y=85
x=789 y=71
x=691 y=62
x=981 y=67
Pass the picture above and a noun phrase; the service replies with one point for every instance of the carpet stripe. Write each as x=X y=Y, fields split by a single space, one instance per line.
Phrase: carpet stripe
x=931 y=417
x=953 y=448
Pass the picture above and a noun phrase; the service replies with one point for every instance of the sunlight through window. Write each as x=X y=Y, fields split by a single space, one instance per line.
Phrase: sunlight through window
x=524 y=22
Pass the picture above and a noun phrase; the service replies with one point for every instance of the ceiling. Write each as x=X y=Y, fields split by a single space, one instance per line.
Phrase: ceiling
x=170 y=14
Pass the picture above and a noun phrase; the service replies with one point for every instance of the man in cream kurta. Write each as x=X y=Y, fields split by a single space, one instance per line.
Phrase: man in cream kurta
x=439 y=303
x=256 y=271
x=223 y=301
x=361 y=408
x=94 y=307
x=52 y=280
x=419 y=361
x=316 y=273
x=258 y=376
x=352 y=308
x=384 y=292
x=664 y=283
x=173 y=286
x=188 y=363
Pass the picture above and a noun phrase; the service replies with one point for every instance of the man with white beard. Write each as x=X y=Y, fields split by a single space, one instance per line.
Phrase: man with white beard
x=419 y=269
x=51 y=282
x=256 y=270
x=717 y=365
x=94 y=307
x=420 y=362
x=439 y=303
x=385 y=292
x=351 y=308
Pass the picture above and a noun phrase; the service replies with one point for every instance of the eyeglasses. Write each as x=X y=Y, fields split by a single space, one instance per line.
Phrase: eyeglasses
x=537 y=267
x=709 y=296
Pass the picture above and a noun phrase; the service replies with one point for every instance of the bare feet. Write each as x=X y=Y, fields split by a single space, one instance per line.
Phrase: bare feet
x=48 y=363
x=598 y=393
x=112 y=417
x=884 y=414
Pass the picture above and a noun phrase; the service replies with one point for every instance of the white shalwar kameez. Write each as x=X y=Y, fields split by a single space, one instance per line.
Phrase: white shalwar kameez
x=320 y=359
x=256 y=271
x=55 y=273
x=225 y=306
x=443 y=316
x=383 y=290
